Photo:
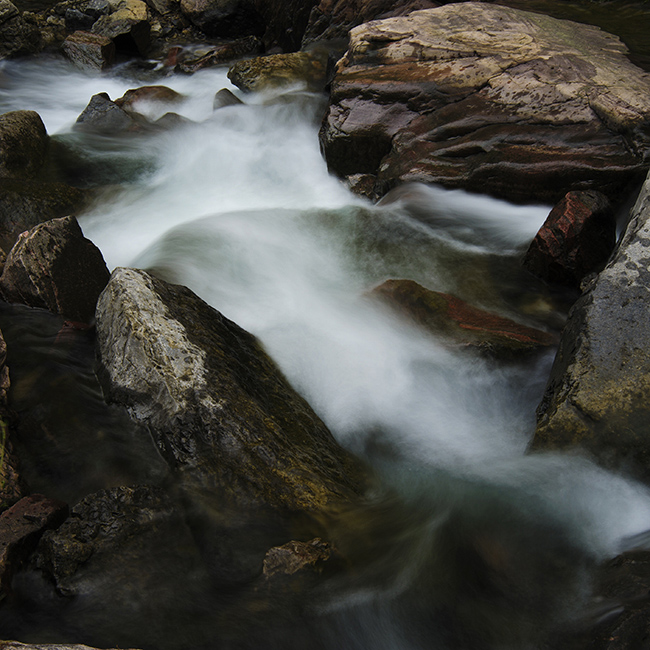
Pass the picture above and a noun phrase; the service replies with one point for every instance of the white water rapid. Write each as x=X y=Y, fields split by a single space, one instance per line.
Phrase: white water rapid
x=238 y=205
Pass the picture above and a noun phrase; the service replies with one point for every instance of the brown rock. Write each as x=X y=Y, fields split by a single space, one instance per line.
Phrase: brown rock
x=53 y=266
x=23 y=143
x=17 y=37
x=88 y=50
x=489 y=99
x=452 y=318
x=128 y=27
x=20 y=529
x=148 y=94
x=576 y=239
x=279 y=70
x=296 y=556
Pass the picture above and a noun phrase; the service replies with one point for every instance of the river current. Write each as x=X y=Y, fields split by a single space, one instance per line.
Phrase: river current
x=238 y=205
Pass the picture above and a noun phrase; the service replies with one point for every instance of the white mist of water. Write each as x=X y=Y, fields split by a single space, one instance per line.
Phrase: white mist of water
x=240 y=207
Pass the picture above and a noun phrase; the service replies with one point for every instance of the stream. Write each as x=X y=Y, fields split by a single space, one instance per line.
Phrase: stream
x=479 y=541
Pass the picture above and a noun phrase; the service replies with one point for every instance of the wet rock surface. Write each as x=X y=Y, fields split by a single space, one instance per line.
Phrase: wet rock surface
x=597 y=395
x=53 y=266
x=23 y=144
x=16 y=36
x=25 y=204
x=278 y=70
x=127 y=26
x=489 y=99
x=127 y=551
x=90 y=51
x=224 y=18
x=576 y=239
x=102 y=115
x=20 y=529
x=220 y=411
x=458 y=322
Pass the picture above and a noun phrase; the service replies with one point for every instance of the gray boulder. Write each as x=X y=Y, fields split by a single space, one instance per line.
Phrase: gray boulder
x=221 y=412
x=489 y=99
x=53 y=266
x=102 y=115
x=127 y=26
x=23 y=144
x=598 y=395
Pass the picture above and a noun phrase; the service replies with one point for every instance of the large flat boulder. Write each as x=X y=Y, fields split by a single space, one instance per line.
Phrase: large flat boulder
x=598 y=395
x=489 y=99
x=221 y=412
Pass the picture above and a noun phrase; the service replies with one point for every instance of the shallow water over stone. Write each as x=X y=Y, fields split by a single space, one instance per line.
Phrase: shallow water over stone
x=469 y=543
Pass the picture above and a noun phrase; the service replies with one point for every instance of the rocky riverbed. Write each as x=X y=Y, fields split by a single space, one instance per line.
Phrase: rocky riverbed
x=305 y=464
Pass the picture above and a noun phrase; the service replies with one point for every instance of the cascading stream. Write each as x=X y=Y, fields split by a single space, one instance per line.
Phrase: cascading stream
x=238 y=205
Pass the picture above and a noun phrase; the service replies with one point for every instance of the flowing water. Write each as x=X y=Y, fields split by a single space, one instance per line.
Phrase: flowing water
x=478 y=545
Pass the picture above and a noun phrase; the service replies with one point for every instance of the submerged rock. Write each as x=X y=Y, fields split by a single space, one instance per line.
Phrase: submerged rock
x=279 y=70
x=489 y=99
x=53 y=266
x=598 y=394
x=576 y=239
x=222 y=414
x=453 y=319
x=23 y=144
x=225 y=97
x=123 y=554
x=21 y=526
x=88 y=50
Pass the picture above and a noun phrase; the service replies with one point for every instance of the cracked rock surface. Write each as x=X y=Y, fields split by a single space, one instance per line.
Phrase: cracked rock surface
x=489 y=99
x=599 y=388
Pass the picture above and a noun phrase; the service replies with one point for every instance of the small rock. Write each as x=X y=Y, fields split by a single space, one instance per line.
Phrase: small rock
x=296 y=556
x=362 y=184
x=280 y=70
x=452 y=318
x=171 y=121
x=76 y=20
x=20 y=529
x=104 y=116
x=128 y=27
x=53 y=266
x=149 y=94
x=88 y=50
x=576 y=239
x=225 y=97
x=23 y=143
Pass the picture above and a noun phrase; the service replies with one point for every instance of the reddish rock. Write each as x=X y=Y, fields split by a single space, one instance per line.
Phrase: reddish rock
x=21 y=527
x=488 y=99
x=53 y=266
x=87 y=50
x=153 y=94
x=576 y=239
x=452 y=318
